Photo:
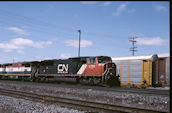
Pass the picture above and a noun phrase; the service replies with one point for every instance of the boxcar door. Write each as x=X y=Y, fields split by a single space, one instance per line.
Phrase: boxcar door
x=147 y=72
x=162 y=71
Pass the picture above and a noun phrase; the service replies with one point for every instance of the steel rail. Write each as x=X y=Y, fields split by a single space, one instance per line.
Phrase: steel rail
x=142 y=91
x=79 y=104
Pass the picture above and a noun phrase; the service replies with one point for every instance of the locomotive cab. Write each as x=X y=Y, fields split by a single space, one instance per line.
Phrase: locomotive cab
x=102 y=67
x=99 y=66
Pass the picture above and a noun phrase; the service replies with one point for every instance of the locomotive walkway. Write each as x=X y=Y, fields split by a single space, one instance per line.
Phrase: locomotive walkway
x=79 y=104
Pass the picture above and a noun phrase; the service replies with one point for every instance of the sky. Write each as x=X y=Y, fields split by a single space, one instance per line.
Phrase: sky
x=35 y=31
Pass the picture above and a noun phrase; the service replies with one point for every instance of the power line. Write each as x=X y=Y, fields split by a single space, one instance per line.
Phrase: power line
x=133 y=48
x=35 y=20
x=33 y=28
x=41 y=23
x=39 y=26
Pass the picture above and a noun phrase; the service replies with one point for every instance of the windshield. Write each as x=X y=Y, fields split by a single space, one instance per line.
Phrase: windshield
x=104 y=59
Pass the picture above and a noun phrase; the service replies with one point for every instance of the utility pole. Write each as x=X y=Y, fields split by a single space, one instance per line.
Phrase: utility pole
x=79 y=42
x=133 y=48
x=13 y=59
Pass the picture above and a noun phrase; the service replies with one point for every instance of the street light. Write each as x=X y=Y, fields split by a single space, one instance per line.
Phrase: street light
x=79 y=42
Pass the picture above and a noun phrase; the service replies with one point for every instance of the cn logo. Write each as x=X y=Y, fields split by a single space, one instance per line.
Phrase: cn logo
x=62 y=68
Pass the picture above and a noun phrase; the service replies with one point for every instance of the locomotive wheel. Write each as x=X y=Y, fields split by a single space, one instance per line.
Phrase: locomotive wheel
x=84 y=81
x=113 y=81
x=37 y=79
x=78 y=79
x=32 y=79
x=97 y=81
x=91 y=81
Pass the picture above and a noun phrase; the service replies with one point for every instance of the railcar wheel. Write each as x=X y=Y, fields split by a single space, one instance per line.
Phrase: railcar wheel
x=84 y=81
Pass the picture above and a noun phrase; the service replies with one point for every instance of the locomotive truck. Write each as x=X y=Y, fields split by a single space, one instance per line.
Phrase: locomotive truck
x=87 y=70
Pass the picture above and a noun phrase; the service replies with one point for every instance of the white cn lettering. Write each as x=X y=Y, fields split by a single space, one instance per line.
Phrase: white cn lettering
x=62 y=68
x=65 y=67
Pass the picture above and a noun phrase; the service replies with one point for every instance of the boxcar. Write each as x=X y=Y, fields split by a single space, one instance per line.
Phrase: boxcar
x=164 y=69
x=137 y=71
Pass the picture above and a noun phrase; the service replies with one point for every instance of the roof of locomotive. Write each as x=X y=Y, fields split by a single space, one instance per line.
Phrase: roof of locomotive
x=24 y=62
x=71 y=58
x=86 y=57
x=83 y=57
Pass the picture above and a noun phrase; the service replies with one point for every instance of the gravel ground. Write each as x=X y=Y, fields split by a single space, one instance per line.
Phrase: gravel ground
x=160 y=88
x=160 y=103
x=14 y=105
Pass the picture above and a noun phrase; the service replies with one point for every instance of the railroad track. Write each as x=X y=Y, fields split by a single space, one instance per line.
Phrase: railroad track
x=116 y=89
x=140 y=91
x=92 y=107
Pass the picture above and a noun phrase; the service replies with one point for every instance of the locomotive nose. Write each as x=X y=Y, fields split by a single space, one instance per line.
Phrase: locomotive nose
x=110 y=74
x=110 y=68
x=110 y=65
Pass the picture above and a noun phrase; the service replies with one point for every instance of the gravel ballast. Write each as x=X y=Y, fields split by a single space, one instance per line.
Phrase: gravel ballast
x=14 y=105
x=146 y=101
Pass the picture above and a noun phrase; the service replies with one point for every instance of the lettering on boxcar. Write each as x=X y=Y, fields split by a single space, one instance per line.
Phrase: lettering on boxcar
x=62 y=68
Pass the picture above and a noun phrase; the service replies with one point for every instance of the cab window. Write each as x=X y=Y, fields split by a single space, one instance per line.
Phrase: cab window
x=104 y=59
x=92 y=60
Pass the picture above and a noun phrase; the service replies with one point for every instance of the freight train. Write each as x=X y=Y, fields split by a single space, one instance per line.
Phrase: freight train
x=87 y=70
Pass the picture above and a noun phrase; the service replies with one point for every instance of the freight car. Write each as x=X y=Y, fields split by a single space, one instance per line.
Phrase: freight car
x=88 y=70
x=164 y=69
x=138 y=71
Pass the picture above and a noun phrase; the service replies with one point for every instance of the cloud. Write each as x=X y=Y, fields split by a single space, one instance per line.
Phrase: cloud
x=4 y=58
x=160 y=8
x=17 y=30
x=65 y=56
x=120 y=9
x=136 y=34
x=41 y=44
x=35 y=57
x=75 y=15
x=55 y=39
x=88 y=2
x=61 y=56
x=131 y=11
x=48 y=58
x=49 y=8
x=75 y=43
x=154 y=41
x=20 y=51
x=107 y=3
x=21 y=43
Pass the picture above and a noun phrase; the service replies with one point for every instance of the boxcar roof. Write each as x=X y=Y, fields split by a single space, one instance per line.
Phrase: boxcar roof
x=164 y=55
x=134 y=57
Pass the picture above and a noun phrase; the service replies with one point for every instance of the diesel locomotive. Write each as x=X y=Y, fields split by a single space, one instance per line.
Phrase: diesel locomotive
x=86 y=70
